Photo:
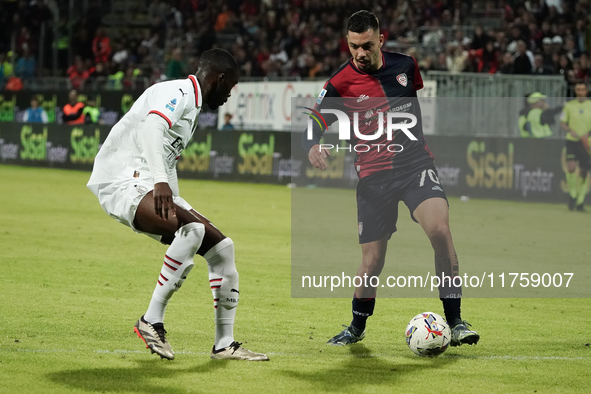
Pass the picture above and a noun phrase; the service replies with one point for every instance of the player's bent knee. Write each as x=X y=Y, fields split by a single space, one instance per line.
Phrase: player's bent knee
x=193 y=232
x=373 y=266
x=439 y=233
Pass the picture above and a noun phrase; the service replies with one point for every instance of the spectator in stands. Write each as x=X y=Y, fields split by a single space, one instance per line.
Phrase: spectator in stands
x=99 y=76
x=540 y=68
x=585 y=63
x=26 y=65
x=116 y=77
x=120 y=52
x=62 y=42
x=157 y=8
x=501 y=41
x=131 y=74
x=92 y=114
x=176 y=67
x=535 y=36
x=506 y=66
x=557 y=44
x=222 y=18
x=78 y=73
x=227 y=122
x=487 y=58
x=577 y=74
x=6 y=69
x=35 y=114
x=571 y=49
x=456 y=58
x=24 y=40
x=479 y=39
x=440 y=63
x=547 y=51
x=304 y=29
x=72 y=113
x=157 y=76
x=581 y=35
x=101 y=47
x=564 y=65
x=522 y=64
x=14 y=84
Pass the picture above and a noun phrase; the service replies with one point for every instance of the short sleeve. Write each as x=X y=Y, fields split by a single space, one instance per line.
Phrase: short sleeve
x=417 y=80
x=169 y=102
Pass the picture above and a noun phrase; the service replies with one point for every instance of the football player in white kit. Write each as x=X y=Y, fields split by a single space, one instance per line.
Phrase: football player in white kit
x=135 y=180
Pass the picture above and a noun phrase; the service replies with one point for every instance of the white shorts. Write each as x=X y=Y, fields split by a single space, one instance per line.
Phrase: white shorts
x=121 y=198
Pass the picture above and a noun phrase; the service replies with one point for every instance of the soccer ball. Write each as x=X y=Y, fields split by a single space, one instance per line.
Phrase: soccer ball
x=428 y=334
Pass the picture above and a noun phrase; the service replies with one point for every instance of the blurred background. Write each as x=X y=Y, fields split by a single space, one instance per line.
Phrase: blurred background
x=127 y=44
x=78 y=66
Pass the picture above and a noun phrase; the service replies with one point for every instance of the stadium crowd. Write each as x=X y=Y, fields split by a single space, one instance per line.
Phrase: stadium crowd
x=296 y=38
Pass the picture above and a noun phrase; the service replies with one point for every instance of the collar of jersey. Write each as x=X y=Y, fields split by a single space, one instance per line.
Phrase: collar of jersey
x=197 y=89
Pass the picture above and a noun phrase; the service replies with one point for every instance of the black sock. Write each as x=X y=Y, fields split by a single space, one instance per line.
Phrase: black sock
x=451 y=307
x=362 y=309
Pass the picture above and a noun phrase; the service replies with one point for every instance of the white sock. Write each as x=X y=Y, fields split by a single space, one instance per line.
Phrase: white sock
x=178 y=262
x=223 y=280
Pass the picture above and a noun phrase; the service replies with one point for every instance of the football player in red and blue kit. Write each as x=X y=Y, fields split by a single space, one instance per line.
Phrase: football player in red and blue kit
x=388 y=174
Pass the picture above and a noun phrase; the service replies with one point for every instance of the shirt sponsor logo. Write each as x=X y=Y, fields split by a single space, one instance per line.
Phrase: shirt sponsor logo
x=402 y=79
x=177 y=147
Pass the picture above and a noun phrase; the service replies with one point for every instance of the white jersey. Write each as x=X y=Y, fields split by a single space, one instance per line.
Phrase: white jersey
x=178 y=102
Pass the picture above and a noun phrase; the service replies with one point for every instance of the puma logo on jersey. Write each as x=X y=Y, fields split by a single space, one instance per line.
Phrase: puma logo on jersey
x=183 y=93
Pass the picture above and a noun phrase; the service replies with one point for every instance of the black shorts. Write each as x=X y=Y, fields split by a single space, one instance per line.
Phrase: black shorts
x=378 y=196
x=575 y=150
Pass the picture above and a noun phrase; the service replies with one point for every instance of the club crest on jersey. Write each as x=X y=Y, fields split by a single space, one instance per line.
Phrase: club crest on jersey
x=402 y=79
x=171 y=105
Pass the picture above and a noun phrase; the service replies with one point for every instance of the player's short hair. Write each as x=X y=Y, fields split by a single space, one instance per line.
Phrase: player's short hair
x=218 y=61
x=362 y=21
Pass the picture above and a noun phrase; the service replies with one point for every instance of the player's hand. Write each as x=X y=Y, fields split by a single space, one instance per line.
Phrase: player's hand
x=163 y=204
x=316 y=155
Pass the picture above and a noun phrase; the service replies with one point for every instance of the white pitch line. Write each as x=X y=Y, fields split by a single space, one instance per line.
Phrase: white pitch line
x=188 y=352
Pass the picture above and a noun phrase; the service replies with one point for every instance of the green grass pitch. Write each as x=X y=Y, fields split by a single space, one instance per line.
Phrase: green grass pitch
x=74 y=281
